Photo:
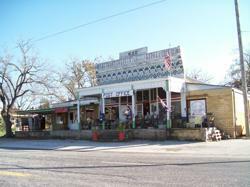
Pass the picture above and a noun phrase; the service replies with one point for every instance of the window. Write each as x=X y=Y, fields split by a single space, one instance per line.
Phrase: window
x=59 y=119
x=153 y=94
x=139 y=110
x=146 y=95
x=197 y=107
x=139 y=96
x=107 y=101
x=124 y=100
x=196 y=110
x=153 y=108
x=71 y=116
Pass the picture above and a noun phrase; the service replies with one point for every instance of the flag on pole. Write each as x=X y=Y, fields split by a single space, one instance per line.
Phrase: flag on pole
x=164 y=105
x=167 y=62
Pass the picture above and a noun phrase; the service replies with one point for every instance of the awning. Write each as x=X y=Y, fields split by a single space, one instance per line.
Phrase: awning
x=36 y=111
x=70 y=104
x=61 y=110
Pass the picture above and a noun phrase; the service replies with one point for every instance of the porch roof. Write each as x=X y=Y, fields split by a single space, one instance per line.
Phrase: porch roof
x=175 y=86
x=36 y=111
x=70 y=104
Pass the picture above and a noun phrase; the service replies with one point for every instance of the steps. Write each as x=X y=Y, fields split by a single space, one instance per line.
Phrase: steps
x=216 y=136
x=213 y=134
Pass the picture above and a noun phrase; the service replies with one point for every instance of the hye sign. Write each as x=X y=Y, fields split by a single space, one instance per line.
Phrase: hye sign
x=117 y=94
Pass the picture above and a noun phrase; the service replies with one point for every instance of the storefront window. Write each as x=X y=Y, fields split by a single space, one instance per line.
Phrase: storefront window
x=111 y=113
x=139 y=110
x=153 y=108
x=129 y=99
x=113 y=100
x=71 y=116
x=146 y=95
x=124 y=100
x=139 y=96
x=153 y=94
x=176 y=114
x=59 y=119
x=107 y=101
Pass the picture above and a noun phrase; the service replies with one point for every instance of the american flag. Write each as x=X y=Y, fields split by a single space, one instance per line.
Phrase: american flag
x=164 y=105
x=167 y=62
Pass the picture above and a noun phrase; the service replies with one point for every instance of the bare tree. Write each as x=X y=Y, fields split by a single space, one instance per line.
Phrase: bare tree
x=234 y=75
x=25 y=102
x=199 y=75
x=44 y=103
x=77 y=74
x=18 y=78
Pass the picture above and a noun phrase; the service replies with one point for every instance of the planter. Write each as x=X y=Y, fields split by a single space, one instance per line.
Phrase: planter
x=121 y=136
x=95 y=136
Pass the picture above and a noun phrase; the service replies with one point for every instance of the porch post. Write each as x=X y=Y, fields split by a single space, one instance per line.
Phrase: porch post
x=78 y=112
x=133 y=109
x=183 y=103
x=157 y=106
x=103 y=110
x=168 y=101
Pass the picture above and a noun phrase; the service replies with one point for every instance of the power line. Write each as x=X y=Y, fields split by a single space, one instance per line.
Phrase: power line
x=96 y=21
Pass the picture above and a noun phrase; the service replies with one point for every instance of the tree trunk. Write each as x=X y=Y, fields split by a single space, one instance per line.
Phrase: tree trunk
x=8 y=124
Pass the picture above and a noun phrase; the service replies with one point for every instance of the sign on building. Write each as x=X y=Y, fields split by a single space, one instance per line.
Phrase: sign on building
x=118 y=94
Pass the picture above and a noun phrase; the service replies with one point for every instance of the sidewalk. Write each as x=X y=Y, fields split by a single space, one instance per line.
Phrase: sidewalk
x=226 y=148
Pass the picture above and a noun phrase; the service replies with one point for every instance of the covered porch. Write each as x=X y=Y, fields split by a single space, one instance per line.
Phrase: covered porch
x=146 y=104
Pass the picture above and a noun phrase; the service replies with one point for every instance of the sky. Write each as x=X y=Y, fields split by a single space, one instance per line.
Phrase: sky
x=204 y=29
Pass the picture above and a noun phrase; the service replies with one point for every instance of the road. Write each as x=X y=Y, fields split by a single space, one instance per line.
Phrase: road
x=31 y=167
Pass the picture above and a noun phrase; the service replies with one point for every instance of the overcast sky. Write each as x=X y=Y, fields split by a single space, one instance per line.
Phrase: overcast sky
x=204 y=29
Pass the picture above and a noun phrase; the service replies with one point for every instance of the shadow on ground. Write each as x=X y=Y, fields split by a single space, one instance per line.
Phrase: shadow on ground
x=82 y=145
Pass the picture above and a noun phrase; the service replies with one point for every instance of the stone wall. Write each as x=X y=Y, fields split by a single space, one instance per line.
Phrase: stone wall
x=33 y=134
x=72 y=134
x=109 y=135
x=198 y=134
x=150 y=134
x=60 y=134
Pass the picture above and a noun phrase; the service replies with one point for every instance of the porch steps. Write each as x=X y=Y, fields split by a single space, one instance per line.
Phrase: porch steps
x=214 y=134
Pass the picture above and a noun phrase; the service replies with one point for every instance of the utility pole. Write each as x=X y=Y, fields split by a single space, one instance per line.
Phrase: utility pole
x=242 y=67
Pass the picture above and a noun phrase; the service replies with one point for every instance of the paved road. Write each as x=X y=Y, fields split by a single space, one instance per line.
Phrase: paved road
x=102 y=167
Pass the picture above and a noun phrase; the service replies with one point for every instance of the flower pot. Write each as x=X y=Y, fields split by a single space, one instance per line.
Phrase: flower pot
x=95 y=136
x=121 y=136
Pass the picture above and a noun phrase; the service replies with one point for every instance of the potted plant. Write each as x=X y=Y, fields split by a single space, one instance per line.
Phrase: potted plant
x=121 y=133
x=95 y=134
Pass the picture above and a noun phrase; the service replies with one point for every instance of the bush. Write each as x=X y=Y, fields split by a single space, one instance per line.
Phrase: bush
x=121 y=127
x=2 y=127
